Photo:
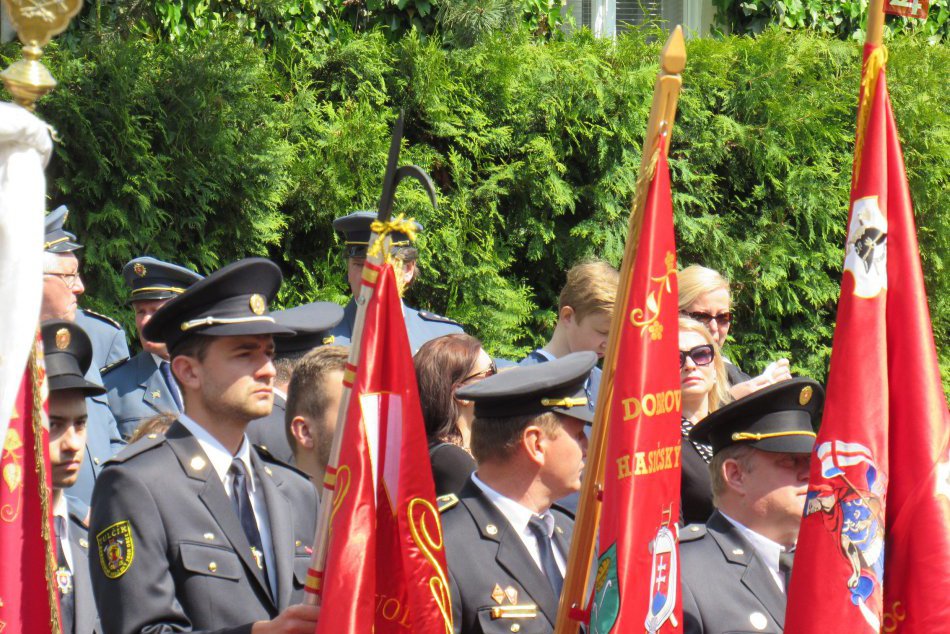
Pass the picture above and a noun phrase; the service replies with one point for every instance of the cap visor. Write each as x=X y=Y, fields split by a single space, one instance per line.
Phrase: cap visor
x=786 y=444
x=73 y=382
x=246 y=328
x=581 y=413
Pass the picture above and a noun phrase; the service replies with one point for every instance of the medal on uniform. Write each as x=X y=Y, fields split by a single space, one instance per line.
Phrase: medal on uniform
x=64 y=580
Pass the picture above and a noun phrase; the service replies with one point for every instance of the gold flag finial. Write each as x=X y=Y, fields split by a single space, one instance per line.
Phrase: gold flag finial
x=36 y=22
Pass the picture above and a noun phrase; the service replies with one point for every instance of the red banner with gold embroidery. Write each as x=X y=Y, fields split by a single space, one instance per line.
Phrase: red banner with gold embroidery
x=28 y=600
x=385 y=570
x=637 y=578
x=874 y=547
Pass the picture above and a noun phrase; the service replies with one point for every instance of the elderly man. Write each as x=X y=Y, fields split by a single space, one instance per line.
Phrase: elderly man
x=68 y=356
x=421 y=325
x=505 y=541
x=142 y=386
x=62 y=285
x=195 y=530
x=761 y=449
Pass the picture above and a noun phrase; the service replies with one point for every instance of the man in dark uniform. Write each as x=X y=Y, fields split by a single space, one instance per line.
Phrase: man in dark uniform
x=196 y=530
x=736 y=567
x=143 y=386
x=312 y=323
x=109 y=343
x=62 y=285
x=421 y=325
x=505 y=542
x=68 y=356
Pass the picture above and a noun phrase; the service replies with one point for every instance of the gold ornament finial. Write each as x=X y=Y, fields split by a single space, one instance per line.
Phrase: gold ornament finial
x=36 y=22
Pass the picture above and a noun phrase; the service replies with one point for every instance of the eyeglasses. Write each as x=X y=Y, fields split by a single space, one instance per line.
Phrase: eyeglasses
x=71 y=280
x=491 y=371
x=705 y=318
x=701 y=355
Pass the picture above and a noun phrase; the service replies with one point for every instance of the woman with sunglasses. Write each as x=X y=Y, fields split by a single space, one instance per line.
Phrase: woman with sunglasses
x=704 y=296
x=704 y=387
x=444 y=365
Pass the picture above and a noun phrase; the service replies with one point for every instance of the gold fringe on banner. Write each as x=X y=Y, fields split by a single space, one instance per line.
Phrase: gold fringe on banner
x=45 y=502
x=869 y=76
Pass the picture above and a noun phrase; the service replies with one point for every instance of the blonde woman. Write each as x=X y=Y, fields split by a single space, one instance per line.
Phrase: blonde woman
x=704 y=386
x=704 y=295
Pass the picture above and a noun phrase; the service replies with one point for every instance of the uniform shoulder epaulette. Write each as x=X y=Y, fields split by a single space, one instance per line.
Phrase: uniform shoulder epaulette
x=109 y=320
x=692 y=532
x=112 y=366
x=447 y=501
x=267 y=456
x=563 y=509
x=140 y=446
x=424 y=314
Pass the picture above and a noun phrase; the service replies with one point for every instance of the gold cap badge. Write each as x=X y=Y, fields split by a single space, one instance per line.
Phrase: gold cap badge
x=62 y=339
x=805 y=395
x=258 y=304
x=139 y=269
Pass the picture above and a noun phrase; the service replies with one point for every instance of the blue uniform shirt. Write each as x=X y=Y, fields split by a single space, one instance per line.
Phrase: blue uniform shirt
x=109 y=343
x=421 y=326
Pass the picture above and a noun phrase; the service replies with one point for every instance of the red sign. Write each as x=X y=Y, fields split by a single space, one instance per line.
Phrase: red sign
x=908 y=8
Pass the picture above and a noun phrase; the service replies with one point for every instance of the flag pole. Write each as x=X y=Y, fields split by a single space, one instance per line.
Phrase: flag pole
x=571 y=610
x=374 y=259
x=874 y=33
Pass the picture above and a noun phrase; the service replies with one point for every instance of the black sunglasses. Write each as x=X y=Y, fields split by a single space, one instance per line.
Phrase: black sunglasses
x=491 y=371
x=701 y=355
x=705 y=318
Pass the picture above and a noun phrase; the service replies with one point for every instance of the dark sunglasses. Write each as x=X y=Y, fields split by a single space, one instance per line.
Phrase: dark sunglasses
x=705 y=318
x=491 y=371
x=701 y=355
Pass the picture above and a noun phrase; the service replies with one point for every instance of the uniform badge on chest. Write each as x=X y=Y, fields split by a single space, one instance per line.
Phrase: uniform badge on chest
x=64 y=580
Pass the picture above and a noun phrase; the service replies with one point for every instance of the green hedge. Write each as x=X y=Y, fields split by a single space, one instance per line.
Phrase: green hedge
x=206 y=150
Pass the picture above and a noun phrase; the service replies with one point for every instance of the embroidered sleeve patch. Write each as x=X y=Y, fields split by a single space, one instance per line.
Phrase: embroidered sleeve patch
x=116 y=549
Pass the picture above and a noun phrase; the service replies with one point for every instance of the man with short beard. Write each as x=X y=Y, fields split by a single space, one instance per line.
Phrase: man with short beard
x=68 y=355
x=195 y=530
x=143 y=386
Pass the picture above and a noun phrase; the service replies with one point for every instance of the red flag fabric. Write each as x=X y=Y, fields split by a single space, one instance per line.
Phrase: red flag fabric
x=637 y=578
x=385 y=568
x=28 y=599
x=874 y=546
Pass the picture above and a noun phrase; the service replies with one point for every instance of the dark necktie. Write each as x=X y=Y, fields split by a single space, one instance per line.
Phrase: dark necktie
x=546 y=549
x=166 y=369
x=785 y=561
x=245 y=512
x=64 y=577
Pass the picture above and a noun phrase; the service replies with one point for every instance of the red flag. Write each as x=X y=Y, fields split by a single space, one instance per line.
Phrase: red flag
x=874 y=546
x=385 y=568
x=28 y=599
x=637 y=579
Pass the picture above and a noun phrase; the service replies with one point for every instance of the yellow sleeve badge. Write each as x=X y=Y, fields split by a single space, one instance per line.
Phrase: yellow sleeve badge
x=116 y=549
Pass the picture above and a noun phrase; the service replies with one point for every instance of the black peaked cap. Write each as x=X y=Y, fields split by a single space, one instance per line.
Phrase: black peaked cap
x=356 y=231
x=55 y=238
x=311 y=323
x=778 y=418
x=231 y=301
x=555 y=386
x=150 y=278
x=67 y=353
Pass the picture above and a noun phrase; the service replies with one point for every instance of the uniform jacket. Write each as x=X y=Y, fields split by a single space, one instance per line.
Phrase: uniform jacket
x=734 y=374
x=189 y=564
x=102 y=440
x=696 y=490
x=109 y=343
x=485 y=553
x=744 y=597
x=421 y=326
x=85 y=619
x=269 y=434
x=137 y=391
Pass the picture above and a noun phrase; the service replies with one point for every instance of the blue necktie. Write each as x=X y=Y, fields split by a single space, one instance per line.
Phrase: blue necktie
x=546 y=549
x=166 y=369
x=245 y=512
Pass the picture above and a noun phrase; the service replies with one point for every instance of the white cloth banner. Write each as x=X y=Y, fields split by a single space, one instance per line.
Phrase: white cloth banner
x=25 y=148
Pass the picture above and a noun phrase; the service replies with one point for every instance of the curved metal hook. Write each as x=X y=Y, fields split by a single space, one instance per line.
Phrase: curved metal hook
x=394 y=175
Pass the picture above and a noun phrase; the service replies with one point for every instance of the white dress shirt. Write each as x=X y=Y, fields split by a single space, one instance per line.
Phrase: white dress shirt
x=518 y=516
x=767 y=550
x=220 y=459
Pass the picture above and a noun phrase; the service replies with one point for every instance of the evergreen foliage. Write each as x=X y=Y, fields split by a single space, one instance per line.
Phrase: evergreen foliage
x=206 y=149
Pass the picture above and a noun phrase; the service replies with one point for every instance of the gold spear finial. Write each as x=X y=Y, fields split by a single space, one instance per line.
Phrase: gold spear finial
x=36 y=22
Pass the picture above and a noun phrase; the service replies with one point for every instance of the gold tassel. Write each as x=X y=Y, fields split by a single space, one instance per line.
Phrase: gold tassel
x=869 y=76
x=382 y=229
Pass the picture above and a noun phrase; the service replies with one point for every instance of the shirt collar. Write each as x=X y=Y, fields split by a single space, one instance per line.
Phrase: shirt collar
x=765 y=547
x=541 y=352
x=279 y=392
x=61 y=507
x=219 y=456
x=157 y=359
x=516 y=513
